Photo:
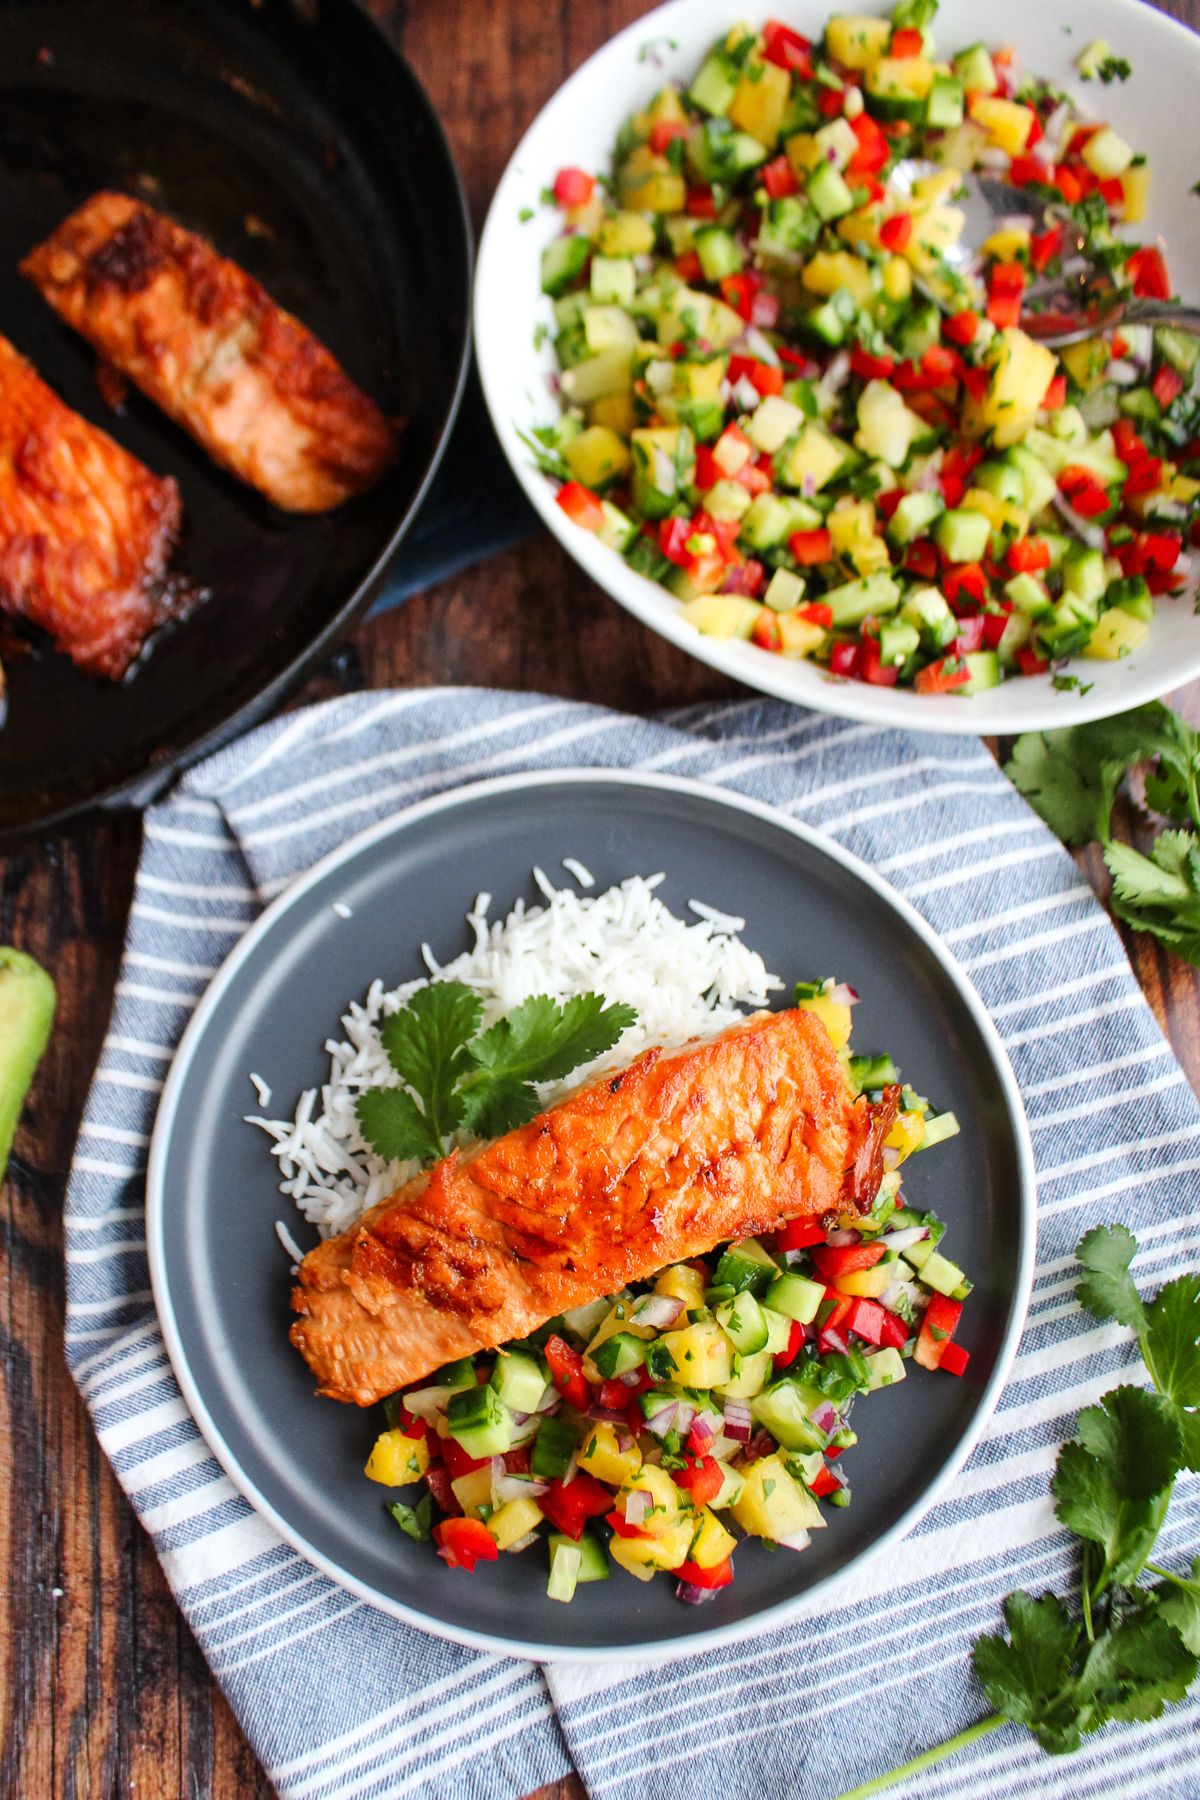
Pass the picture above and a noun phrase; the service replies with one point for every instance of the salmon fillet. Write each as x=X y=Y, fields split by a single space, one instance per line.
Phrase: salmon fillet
x=86 y=530
x=209 y=346
x=726 y=1137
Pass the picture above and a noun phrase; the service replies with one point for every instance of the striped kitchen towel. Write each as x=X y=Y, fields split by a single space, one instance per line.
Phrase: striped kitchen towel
x=340 y=1700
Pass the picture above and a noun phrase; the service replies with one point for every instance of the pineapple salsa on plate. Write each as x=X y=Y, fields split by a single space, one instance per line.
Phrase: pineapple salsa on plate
x=658 y=1427
x=791 y=394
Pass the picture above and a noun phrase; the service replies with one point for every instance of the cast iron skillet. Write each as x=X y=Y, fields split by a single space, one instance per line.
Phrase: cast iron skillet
x=294 y=136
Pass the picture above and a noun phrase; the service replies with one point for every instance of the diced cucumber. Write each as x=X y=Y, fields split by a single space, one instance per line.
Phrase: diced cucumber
x=914 y=516
x=829 y=193
x=584 y=1320
x=1083 y=572
x=928 y=609
x=743 y=1323
x=718 y=252
x=773 y=421
x=553 y=1448
x=608 y=328
x=944 y=107
x=480 y=1422
x=619 y=1354
x=717 y=153
x=610 y=372
x=974 y=69
x=1038 y=484
x=613 y=280
x=855 y=601
x=566 y=1560
x=771 y=518
x=789 y=226
x=746 y=1267
x=593 y=1564
x=873 y=1071
x=783 y=1409
x=1132 y=595
x=618 y=530
x=837 y=142
x=940 y=1126
x=519 y=1381
x=1180 y=348
x=779 y=1331
x=1028 y=594
x=883 y=1368
x=962 y=536
x=1001 y=479
x=796 y=1297
x=897 y=641
x=705 y=419
x=918 y=330
x=460 y=1374
x=1018 y=629
x=939 y=1273
x=784 y=591
x=563 y=261
x=715 y=85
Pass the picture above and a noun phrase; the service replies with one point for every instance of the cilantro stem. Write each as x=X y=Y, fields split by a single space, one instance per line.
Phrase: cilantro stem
x=949 y=1748
x=1086 y=1591
x=1179 y=1581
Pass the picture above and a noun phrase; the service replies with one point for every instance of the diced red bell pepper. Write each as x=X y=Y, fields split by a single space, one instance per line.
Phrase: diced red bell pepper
x=1148 y=273
x=688 y=267
x=954 y=1359
x=894 y=233
x=767 y=632
x=754 y=479
x=887 y=502
x=922 y=558
x=1004 y=310
x=569 y=1505
x=739 y=292
x=830 y=102
x=834 y=1260
x=614 y=1395
x=953 y=487
x=1142 y=479
x=783 y=1359
x=873 y=148
x=970 y=636
x=787 y=49
x=622 y=1526
x=457 y=1460
x=1161 y=549
x=866 y=1318
x=1112 y=191
x=872 y=667
x=962 y=458
x=943 y=676
x=1030 y=663
x=767 y=378
x=410 y=1425
x=1069 y=183
x=823 y=1482
x=961 y=327
x=566 y=1372
x=1027 y=555
x=831 y=1315
x=581 y=505
x=663 y=132
x=1056 y=394
x=937 y=1328
x=964 y=579
x=764 y=311
x=719 y=1576
x=700 y=203
x=994 y=625
x=906 y=42
x=868 y=367
x=707 y=473
x=894 y=1332
x=517 y=1462
x=799 y=1234
x=1044 y=245
x=1024 y=169
x=573 y=187
x=1085 y=493
x=673 y=534
x=1129 y=445
x=702 y=1477
x=1167 y=385
x=810 y=547
x=464 y=1542
x=779 y=178
x=817 y=613
x=941 y=364
x=1007 y=278
x=745 y=578
x=796 y=359
x=844 y=659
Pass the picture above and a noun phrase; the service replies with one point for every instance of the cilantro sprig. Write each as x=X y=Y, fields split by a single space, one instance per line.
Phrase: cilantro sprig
x=1121 y=1650
x=1072 y=779
x=456 y=1077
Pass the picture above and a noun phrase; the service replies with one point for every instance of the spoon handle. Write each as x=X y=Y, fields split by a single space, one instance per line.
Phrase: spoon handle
x=1162 y=312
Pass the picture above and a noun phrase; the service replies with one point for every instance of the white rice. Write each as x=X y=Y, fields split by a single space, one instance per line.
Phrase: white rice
x=685 y=979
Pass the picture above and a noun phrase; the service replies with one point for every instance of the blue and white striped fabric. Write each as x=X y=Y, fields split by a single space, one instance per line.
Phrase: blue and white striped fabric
x=341 y=1701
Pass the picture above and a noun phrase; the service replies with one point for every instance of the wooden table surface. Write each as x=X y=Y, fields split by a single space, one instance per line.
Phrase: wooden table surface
x=104 y=1692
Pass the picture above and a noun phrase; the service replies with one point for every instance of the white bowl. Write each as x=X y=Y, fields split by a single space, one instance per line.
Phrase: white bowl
x=1155 y=110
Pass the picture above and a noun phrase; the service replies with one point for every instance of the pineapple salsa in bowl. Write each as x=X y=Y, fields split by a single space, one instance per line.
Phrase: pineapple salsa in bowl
x=793 y=398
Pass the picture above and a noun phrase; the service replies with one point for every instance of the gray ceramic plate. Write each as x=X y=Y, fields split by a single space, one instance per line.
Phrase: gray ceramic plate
x=221 y=1281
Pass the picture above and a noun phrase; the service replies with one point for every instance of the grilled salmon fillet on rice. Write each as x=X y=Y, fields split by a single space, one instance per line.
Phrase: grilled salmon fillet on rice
x=209 y=346
x=726 y=1137
x=86 y=530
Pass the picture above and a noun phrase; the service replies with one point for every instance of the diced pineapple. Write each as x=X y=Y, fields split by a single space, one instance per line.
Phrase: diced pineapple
x=772 y=423
x=1022 y=370
x=712 y=1543
x=907 y=1134
x=626 y=234
x=887 y=427
x=602 y=1456
x=814 y=460
x=830 y=270
x=931 y=190
x=588 y=217
x=869 y=556
x=644 y=1556
x=798 y=637
x=515 y=1520
x=473 y=1491
x=597 y=456
x=1086 y=362
x=833 y=1014
x=1116 y=633
x=1106 y=154
x=850 y=519
x=681 y=1282
x=866 y=1284
x=897 y=278
x=1135 y=185
x=700 y=380
x=397 y=1459
x=760 y=102
x=665 y=1497
x=772 y=1504
x=648 y=183
x=861 y=228
x=900 y=78
x=615 y=411
x=1008 y=244
x=803 y=152
x=836 y=143
x=701 y=1355
x=609 y=372
x=1007 y=122
x=856 y=40
x=999 y=513
x=935 y=231
x=686 y=313
x=722 y=616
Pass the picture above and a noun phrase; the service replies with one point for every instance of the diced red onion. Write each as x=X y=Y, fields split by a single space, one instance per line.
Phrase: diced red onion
x=663 y=469
x=694 y=1596
x=637 y=1505
x=761 y=348
x=905 y=1238
x=1053 y=129
x=835 y=1340
x=662 y=1421
x=890 y=1158
x=764 y=311
x=604 y=1414
x=792 y=1257
x=428 y=1403
x=824 y=1417
x=1085 y=531
x=659 y=1311
x=572 y=1468
x=701 y=1436
x=630 y=1378
x=992 y=157
x=624 y=1442
x=838 y=372
x=799 y=1540
x=684 y=1414
x=1045 y=151
x=1121 y=371
x=842 y=994
x=746 y=394
x=808 y=486
x=841 y=1239
x=761 y=1444
x=723 y=1447
x=522 y=1543
x=549 y=1402
x=519 y=1418
x=515 y=1487
x=738 y=1420
x=890 y=1296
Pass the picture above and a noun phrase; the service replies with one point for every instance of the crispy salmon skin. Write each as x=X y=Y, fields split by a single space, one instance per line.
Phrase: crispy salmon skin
x=207 y=344
x=728 y=1136
x=86 y=530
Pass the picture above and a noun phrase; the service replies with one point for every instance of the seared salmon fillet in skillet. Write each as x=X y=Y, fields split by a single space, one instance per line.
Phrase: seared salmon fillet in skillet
x=723 y=1138
x=207 y=344
x=86 y=530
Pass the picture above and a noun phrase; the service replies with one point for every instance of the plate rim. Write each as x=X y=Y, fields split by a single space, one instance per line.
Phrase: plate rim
x=643 y=598
x=654 y=1651
x=142 y=789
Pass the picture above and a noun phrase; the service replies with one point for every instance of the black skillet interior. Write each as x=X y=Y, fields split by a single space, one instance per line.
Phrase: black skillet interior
x=300 y=143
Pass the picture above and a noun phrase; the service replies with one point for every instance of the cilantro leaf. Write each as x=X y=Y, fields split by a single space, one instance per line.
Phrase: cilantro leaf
x=1071 y=777
x=1106 y=1287
x=1112 y=1485
x=1135 y=1667
x=500 y=1105
x=1171 y=1347
x=1030 y=1677
x=414 y=1521
x=426 y=1044
x=394 y=1125
x=543 y=1041
x=1178 y=1600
